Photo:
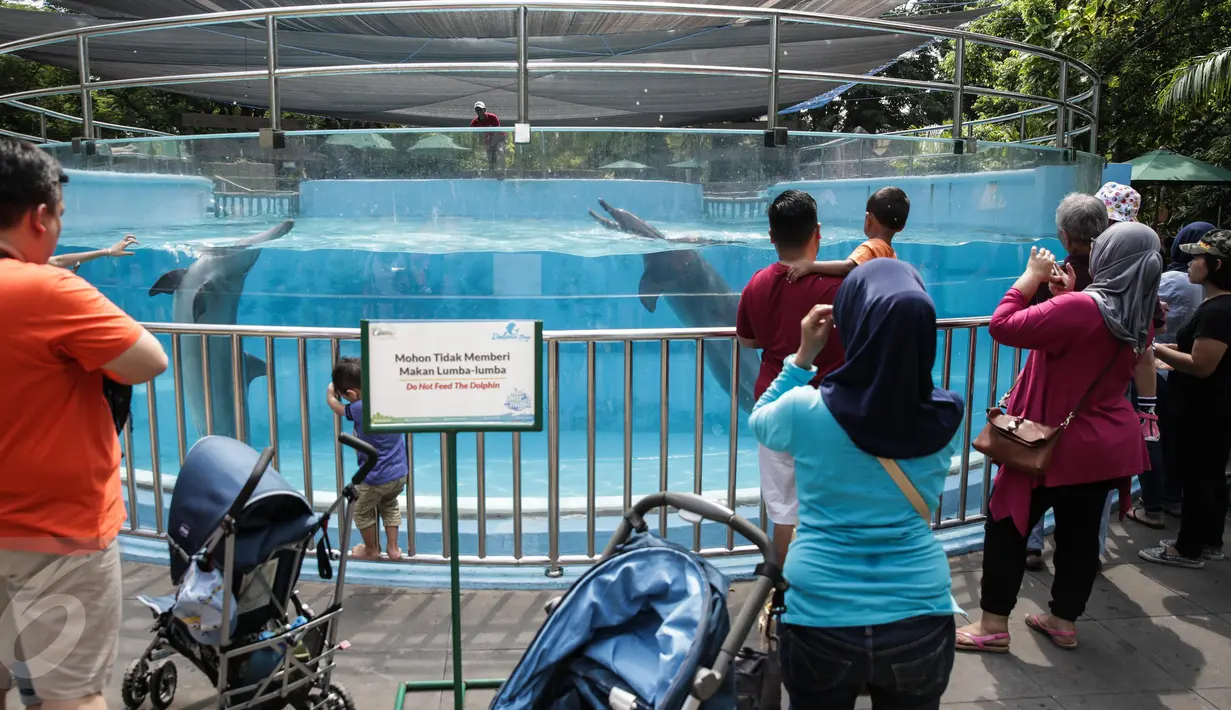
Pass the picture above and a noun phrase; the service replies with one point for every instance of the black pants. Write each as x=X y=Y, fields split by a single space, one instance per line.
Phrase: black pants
x=905 y=664
x=1203 y=446
x=1163 y=485
x=1078 y=510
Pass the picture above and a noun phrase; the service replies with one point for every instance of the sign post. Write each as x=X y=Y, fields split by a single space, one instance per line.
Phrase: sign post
x=451 y=377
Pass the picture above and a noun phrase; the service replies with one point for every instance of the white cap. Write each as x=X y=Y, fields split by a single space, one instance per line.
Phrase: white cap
x=480 y=104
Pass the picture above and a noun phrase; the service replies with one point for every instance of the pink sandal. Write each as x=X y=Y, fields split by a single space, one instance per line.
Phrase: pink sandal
x=967 y=641
x=1062 y=639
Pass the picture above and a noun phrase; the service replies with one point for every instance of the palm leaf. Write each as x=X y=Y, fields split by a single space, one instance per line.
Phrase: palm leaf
x=1198 y=82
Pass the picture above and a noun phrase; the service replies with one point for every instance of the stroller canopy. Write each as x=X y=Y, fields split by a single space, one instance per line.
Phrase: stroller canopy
x=643 y=620
x=214 y=471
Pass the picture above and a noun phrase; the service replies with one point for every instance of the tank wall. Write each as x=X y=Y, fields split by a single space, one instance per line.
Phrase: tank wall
x=112 y=200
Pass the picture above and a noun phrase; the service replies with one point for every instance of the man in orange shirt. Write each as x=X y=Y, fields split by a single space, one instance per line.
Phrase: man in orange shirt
x=886 y=215
x=60 y=502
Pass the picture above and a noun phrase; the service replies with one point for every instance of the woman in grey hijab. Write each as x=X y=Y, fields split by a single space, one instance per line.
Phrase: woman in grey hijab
x=1125 y=266
x=1084 y=349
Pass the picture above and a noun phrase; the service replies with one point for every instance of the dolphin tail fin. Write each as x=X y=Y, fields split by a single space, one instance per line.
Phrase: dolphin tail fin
x=608 y=223
x=168 y=282
x=254 y=367
x=649 y=291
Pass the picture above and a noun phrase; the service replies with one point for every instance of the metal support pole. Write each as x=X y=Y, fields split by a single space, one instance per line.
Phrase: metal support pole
x=87 y=101
x=1062 y=135
x=1021 y=130
x=275 y=103
x=523 y=73
x=959 y=80
x=771 y=116
x=455 y=571
x=1095 y=99
x=42 y=126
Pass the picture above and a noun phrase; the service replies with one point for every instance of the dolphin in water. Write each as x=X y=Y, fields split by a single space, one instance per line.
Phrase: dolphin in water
x=695 y=292
x=208 y=292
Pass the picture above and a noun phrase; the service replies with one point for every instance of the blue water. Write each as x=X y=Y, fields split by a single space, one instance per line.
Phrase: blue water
x=570 y=275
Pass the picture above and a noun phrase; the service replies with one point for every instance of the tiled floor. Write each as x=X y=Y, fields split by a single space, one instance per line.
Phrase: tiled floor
x=1154 y=637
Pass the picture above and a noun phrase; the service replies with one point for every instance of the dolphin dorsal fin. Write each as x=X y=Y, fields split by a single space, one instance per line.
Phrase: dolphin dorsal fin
x=254 y=367
x=168 y=282
x=649 y=290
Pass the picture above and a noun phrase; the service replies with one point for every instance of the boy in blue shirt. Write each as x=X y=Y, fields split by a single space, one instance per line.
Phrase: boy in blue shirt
x=379 y=493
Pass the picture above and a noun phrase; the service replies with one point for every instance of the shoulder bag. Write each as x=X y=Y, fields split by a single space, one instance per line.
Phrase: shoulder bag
x=908 y=489
x=1021 y=444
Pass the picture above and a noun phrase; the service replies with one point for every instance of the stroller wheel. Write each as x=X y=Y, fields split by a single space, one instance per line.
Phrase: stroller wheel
x=136 y=684
x=163 y=685
x=339 y=698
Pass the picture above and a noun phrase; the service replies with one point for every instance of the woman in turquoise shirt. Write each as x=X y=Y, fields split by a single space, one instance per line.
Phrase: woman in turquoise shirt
x=869 y=601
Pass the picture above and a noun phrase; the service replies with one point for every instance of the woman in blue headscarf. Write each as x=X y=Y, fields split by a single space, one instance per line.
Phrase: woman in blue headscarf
x=869 y=600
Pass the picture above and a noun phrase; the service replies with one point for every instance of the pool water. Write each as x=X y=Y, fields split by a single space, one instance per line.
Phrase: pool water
x=572 y=275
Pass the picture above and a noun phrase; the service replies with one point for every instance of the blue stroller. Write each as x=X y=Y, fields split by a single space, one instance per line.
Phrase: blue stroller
x=238 y=534
x=647 y=627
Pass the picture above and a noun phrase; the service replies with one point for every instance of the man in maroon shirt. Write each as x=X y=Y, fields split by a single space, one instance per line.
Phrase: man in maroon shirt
x=770 y=309
x=493 y=141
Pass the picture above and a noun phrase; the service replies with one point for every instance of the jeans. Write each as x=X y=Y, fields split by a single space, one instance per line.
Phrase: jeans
x=1077 y=509
x=1036 y=533
x=905 y=664
x=1204 y=445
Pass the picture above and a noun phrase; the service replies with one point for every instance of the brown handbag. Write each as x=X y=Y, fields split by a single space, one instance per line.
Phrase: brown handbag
x=1021 y=444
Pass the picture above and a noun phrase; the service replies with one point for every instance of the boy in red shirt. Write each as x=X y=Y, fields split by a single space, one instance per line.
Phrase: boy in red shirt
x=493 y=141
x=770 y=309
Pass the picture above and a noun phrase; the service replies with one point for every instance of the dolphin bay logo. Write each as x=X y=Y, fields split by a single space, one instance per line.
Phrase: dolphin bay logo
x=511 y=332
x=518 y=401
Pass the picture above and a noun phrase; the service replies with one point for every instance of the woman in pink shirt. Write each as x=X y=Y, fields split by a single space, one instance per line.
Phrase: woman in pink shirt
x=1084 y=347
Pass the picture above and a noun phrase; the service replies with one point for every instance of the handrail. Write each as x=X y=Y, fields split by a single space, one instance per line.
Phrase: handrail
x=1065 y=106
x=314 y=332
x=74 y=119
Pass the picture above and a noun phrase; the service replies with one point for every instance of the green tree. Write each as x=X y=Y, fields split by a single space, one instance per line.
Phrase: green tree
x=1199 y=82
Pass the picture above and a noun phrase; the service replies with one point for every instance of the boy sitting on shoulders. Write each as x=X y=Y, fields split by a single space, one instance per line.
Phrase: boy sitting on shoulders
x=886 y=215
x=380 y=491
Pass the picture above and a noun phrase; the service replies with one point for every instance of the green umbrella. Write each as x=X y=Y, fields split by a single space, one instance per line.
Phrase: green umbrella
x=1166 y=166
x=359 y=139
x=624 y=165
x=437 y=142
x=690 y=163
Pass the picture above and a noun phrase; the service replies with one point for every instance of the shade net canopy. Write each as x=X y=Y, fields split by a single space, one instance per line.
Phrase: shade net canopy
x=435 y=98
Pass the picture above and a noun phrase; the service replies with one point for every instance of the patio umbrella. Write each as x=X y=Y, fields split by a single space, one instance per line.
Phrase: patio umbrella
x=1167 y=166
x=624 y=165
x=437 y=146
x=360 y=140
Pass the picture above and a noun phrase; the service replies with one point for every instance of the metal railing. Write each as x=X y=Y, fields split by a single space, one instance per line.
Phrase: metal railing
x=544 y=511
x=1067 y=107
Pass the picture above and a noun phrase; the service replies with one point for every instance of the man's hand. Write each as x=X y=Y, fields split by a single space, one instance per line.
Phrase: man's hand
x=814 y=332
x=120 y=248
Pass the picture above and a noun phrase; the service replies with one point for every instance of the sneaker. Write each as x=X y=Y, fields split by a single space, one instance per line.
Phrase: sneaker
x=1210 y=554
x=1159 y=555
x=1149 y=425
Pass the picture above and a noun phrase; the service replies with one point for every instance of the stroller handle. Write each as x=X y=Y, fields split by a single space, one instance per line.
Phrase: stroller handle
x=696 y=505
x=254 y=478
x=367 y=450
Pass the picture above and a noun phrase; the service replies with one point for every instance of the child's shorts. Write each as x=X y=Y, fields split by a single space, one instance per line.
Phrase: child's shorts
x=379 y=500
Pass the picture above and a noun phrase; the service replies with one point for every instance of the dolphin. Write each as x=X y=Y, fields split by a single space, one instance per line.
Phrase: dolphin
x=208 y=291
x=695 y=292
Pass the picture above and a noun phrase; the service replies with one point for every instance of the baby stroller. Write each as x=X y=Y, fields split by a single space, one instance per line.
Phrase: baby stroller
x=647 y=627
x=238 y=533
